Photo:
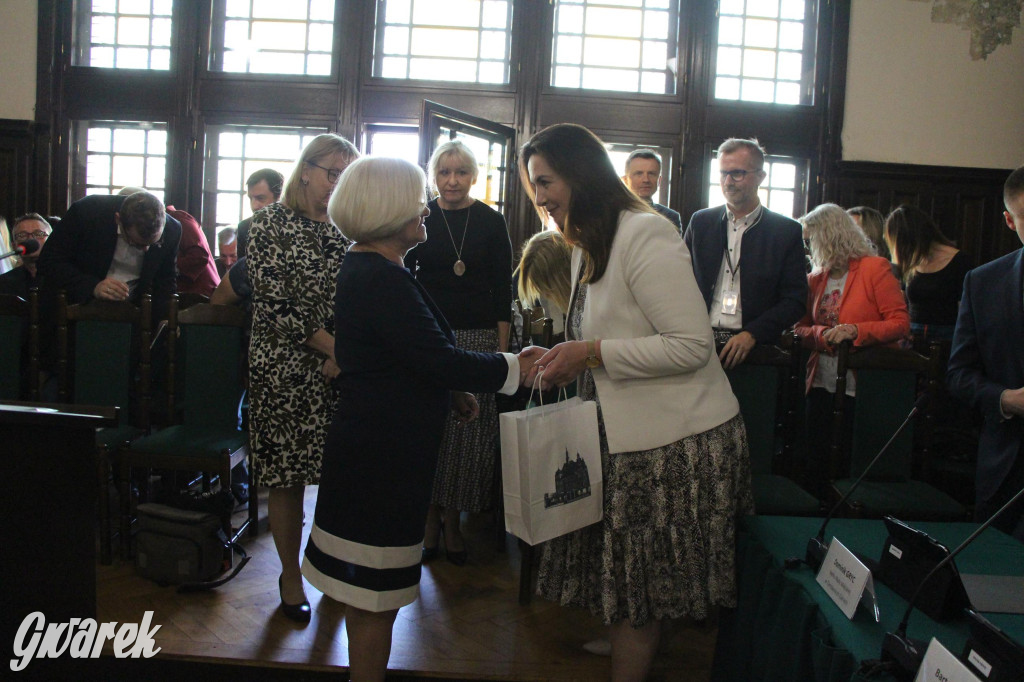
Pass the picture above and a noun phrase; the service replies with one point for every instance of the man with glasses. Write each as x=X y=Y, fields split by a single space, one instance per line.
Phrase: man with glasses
x=748 y=261
x=114 y=248
x=18 y=281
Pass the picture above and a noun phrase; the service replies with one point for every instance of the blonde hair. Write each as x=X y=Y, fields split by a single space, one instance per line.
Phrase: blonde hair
x=544 y=269
x=376 y=197
x=834 y=238
x=320 y=147
x=454 y=148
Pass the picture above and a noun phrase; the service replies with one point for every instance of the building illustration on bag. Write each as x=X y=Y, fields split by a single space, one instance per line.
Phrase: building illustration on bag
x=572 y=482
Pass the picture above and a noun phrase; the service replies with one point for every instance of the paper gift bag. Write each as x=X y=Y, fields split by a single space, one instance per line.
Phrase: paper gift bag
x=551 y=469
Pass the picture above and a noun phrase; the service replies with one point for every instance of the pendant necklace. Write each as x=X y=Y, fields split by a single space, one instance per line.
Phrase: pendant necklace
x=459 y=268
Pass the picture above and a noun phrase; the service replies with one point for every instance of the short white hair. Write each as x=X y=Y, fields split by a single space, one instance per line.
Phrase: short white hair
x=376 y=197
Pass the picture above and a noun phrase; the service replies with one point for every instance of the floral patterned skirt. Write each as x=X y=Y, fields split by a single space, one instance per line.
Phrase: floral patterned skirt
x=666 y=545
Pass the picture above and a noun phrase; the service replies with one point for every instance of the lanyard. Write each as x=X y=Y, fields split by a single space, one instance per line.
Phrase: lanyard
x=733 y=269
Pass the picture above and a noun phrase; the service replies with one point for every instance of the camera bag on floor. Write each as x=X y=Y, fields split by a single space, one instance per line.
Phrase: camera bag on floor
x=182 y=547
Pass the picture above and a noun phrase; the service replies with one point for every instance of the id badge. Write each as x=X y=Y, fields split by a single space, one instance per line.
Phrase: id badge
x=729 y=302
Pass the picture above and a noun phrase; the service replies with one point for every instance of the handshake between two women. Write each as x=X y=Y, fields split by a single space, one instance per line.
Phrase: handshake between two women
x=556 y=368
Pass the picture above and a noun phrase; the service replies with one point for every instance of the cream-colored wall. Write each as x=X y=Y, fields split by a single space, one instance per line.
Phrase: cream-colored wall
x=913 y=95
x=18 y=19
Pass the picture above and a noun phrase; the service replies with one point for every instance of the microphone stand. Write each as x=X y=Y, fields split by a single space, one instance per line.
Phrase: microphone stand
x=906 y=652
x=816 y=548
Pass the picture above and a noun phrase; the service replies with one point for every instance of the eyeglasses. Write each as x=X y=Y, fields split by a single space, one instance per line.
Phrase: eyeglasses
x=332 y=173
x=38 y=235
x=737 y=175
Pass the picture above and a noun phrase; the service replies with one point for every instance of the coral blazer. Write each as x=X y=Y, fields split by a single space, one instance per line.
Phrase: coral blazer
x=871 y=299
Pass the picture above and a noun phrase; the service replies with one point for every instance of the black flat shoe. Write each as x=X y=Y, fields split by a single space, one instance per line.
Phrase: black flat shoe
x=300 y=613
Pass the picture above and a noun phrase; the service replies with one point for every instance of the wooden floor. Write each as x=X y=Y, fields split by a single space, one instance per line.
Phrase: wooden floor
x=467 y=623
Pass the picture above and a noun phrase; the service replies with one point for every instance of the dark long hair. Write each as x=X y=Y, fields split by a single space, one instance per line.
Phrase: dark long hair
x=598 y=194
x=910 y=234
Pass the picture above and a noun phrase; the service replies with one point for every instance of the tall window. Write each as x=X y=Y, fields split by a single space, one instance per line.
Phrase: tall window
x=233 y=153
x=764 y=51
x=781 y=191
x=624 y=45
x=123 y=34
x=443 y=40
x=111 y=155
x=264 y=36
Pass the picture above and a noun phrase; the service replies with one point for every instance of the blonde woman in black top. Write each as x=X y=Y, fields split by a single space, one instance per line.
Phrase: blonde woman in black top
x=466 y=267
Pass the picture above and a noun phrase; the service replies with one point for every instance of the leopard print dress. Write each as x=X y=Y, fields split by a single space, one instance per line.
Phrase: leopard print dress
x=293 y=267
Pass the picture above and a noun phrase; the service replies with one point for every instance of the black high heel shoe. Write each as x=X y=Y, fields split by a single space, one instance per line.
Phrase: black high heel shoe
x=300 y=613
x=457 y=558
x=430 y=553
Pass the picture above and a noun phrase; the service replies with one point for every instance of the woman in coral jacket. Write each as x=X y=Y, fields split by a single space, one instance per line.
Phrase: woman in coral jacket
x=852 y=295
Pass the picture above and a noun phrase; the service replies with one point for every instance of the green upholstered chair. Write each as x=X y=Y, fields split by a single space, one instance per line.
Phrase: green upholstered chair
x=103 y=358
x=19 y=332
x=204 y=391
x=767 y=387
x=888 y=383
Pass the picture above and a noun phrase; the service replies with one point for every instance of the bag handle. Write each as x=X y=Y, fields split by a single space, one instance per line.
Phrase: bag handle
x=536 y=383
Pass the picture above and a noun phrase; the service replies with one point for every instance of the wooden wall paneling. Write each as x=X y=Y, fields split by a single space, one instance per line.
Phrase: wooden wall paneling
x=966 y=203
x=16 y=157
x=403 y=105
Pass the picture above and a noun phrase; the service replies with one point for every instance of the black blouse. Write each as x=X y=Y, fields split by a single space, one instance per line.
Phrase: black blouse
x=482 y=296
x=934 y=297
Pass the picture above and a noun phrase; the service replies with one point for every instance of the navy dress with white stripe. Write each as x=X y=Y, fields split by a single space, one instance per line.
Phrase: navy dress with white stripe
x=398 y=361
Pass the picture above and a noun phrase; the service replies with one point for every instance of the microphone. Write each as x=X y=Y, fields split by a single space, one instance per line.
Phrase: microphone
x=26 y=248
x=906 y=652
x=816 y=548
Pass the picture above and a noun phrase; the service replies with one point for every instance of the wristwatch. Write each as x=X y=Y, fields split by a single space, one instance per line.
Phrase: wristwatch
x=592 y=360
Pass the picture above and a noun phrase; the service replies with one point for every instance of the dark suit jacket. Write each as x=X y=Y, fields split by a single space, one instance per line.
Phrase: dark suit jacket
x=80 y=250
x=670 y=215
x=773 y=279
x=987 y=358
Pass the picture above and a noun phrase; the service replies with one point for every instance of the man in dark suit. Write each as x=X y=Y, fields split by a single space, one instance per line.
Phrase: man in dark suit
x=114 y=248
x=986 y=368
x=643 y=176
x=748 y=261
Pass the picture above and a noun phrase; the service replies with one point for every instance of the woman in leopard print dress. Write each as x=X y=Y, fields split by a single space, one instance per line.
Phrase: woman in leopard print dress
x=294 y=254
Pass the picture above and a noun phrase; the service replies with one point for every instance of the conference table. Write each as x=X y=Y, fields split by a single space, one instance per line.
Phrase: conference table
x=785 y=626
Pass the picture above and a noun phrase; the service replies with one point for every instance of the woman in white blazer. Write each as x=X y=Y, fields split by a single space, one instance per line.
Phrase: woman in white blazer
x=674 y=451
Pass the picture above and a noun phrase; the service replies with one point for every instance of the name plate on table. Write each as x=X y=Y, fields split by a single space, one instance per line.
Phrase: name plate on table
x=939 y=665
x=847 y=580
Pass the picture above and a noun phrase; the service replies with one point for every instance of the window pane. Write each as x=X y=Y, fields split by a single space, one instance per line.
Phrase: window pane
x=634 y=39
x=763 y=8
x=791 y=35
x=757 y=90
x=761 y=33
x=762 y=40
x=275 y=37
x=445 y=40
x=611 y=52
x=144 y=25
